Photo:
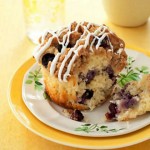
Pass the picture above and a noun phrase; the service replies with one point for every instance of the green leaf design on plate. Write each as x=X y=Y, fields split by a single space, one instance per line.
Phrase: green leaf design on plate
x=29 y=81
x=96 y=128
x=38 y=83
x=87 y=128
x=103 y=127
x=37 y=87
x=30 y=76
x=46 y=96
x=131 y=74
x=143 y=69
x=34 y=77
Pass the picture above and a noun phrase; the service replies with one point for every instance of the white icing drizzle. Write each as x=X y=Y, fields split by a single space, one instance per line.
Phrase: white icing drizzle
x=120 y=51
x=63 y=64
x=67 y=42
x=61 y=31
x=100 y=40
x=67 y=73
x=111 y=46
x=95 y=33
x=91 y=49
x=43 y=36
x=88 y=25
x=87 y=40
x=67 y=57
x=96 y=37
x=40 y=50
x=53 y=64
x=99 y=34
x=77 y=27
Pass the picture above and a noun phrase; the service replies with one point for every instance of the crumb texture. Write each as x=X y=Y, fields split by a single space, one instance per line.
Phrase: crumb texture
x=131 y=101
x=80 y=64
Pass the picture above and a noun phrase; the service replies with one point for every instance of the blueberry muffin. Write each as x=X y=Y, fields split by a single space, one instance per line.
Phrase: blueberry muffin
x=80 y=64
x=130 y=101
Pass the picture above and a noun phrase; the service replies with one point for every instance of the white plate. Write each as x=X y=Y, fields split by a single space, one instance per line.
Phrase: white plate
x=95 y=125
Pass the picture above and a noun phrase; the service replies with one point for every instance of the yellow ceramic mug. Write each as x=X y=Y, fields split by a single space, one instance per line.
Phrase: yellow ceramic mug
x=128 y=13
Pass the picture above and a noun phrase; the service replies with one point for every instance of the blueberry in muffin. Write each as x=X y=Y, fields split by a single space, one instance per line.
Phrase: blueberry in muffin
x=130 y=101
x=80 y=64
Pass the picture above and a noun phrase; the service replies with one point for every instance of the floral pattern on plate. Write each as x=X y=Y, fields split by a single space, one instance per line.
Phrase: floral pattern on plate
x=53 y=115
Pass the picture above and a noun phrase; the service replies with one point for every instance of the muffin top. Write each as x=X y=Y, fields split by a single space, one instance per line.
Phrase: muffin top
x=60 y=50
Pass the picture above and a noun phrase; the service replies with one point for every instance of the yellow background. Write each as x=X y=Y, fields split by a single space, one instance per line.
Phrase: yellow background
x=15 y=49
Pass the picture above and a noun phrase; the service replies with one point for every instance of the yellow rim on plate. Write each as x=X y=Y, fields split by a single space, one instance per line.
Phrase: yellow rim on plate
x=32 y=123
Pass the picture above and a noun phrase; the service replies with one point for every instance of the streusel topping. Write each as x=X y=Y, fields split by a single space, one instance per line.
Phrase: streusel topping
x=70 y=42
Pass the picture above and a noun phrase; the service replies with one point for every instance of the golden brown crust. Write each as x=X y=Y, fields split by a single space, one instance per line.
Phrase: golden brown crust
x=60 y=94
x=64 y=93
x=109 y=53
x=118 y=58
